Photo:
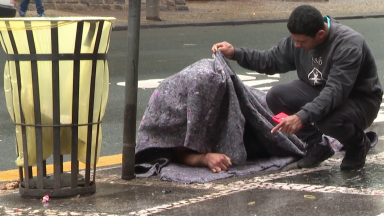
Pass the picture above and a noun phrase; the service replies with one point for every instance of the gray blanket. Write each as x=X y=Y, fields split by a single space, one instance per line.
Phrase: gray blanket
x=207 y=108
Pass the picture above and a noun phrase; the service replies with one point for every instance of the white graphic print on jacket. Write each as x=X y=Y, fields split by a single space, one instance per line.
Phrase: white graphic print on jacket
x=316 y=76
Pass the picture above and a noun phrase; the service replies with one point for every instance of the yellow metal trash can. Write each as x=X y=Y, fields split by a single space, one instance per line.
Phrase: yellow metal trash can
x=56 y=83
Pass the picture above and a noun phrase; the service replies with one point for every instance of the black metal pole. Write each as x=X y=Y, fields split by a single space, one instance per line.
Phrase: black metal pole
x=129 y=136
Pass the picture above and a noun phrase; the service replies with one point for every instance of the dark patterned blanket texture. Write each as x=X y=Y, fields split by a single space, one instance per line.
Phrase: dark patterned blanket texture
x=207 y=108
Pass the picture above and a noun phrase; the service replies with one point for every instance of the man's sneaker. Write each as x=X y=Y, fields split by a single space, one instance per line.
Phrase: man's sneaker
x=316 y=154
x=21 y=13
x=373 y=138
x=355 y=155
x=41 y=15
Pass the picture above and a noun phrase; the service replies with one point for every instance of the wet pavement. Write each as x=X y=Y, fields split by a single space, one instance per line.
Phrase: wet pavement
x=324 y=190
x=369 y=177
x=110 y=198
x=283 y=202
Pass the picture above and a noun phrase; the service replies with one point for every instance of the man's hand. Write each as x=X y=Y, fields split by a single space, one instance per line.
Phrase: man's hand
x=226 y=48
x=217 y=162
x=289 y=125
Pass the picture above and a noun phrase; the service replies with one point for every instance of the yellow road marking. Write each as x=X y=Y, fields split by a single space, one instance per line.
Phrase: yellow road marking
x=103 y=161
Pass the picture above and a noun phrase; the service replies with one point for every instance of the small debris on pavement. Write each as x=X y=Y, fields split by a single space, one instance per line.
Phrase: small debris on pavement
x=309 y=197
x=46 y=199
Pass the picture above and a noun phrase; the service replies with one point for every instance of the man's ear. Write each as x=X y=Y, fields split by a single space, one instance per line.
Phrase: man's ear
x=321 y=34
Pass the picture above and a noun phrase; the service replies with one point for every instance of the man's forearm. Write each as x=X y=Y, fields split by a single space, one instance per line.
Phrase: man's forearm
x=189 y=157
x=193 y=159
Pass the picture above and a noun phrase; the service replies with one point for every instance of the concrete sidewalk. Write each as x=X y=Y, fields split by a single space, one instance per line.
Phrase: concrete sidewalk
x=234 y=12
x=323 y=190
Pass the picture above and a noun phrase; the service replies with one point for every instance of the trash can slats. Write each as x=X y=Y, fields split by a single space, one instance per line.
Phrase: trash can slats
x=57 y=74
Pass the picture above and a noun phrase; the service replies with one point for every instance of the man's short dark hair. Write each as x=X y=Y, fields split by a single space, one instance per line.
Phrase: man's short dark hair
x=305 y=20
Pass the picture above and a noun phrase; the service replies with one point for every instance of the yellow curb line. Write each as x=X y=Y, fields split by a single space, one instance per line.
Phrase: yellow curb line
x=103 y=161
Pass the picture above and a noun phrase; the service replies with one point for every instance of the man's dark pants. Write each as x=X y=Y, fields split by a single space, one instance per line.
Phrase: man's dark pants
x=345 y=123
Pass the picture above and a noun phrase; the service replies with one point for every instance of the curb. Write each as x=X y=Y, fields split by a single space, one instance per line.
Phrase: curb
x=242 y=22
